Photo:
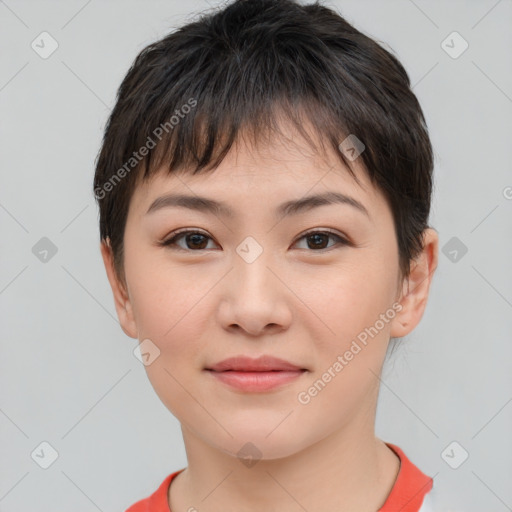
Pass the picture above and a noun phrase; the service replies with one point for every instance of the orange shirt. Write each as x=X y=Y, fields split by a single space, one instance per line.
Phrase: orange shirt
x=407 y=495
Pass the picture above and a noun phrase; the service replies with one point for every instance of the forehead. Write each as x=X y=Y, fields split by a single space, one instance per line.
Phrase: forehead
x=287 y=167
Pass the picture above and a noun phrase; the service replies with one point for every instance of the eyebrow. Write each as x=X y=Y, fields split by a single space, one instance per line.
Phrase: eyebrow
x=293 y=207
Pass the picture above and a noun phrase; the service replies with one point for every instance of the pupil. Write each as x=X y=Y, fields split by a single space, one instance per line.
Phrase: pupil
x=195 y=239
x=316 y=236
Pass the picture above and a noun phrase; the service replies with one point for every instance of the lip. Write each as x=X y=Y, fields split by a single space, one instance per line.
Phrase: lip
x=264 y=363
x=255 y=375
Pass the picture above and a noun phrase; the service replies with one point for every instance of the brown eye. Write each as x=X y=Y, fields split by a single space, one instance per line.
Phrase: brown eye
x=317 y=240
x=194 y=240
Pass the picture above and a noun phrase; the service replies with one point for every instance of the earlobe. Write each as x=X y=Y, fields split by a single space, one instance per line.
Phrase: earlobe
x=416 y=286
x=121 y=297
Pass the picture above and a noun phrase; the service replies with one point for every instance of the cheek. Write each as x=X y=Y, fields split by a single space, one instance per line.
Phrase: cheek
x=164 y=296
x=355 y=292
x=354 y=306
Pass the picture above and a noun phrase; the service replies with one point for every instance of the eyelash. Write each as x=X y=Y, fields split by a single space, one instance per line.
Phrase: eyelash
x=170 y=242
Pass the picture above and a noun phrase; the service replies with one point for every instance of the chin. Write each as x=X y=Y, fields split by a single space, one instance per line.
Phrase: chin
x=251 y=445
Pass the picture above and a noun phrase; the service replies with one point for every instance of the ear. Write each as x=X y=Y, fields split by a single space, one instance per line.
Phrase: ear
x=121 y=296
x=416 y=287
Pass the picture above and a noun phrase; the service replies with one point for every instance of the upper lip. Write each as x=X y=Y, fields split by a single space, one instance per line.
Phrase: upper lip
x=249 y=364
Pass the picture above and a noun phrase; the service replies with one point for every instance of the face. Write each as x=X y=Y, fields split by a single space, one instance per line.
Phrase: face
x=316 y=286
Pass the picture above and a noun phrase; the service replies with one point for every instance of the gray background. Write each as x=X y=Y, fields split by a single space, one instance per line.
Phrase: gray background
x=68 y=375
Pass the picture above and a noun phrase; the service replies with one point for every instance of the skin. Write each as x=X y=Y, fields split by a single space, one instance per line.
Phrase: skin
x=295 y=301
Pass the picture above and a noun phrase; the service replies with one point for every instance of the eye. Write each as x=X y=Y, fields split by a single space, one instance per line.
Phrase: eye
x=198 y=241
x=318 y=237
x=193 y=239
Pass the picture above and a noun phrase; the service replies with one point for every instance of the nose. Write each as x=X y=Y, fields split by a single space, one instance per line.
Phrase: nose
x=254 y=298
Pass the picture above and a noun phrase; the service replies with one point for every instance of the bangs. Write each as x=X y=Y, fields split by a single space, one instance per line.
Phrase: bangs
x=201 y=142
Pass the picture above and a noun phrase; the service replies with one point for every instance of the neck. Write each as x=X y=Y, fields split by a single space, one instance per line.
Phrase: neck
x=350 y=469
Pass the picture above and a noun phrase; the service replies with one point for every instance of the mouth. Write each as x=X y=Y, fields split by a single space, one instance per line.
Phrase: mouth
x=255 y=375
x=263 y=363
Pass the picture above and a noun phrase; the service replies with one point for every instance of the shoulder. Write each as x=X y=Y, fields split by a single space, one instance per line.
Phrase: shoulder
x=411 y=487
x=157 y=501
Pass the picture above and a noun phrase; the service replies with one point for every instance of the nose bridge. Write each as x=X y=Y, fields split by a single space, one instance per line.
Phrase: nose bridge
x=251 y=266
x=253 y=298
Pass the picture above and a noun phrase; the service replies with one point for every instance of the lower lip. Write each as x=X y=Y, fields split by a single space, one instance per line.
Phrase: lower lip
x=256 y=381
